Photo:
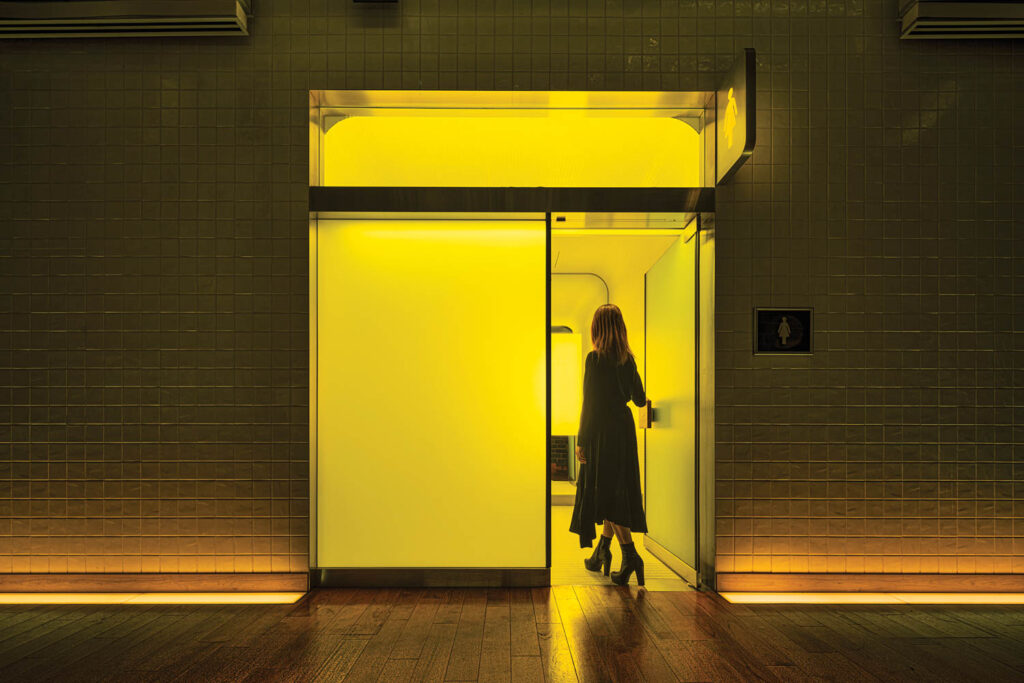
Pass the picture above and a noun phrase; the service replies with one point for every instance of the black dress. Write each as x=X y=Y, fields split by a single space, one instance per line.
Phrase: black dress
x=608 y=485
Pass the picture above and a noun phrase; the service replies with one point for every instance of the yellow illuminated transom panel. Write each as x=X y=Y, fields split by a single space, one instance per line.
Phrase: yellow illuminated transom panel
x=560 y=148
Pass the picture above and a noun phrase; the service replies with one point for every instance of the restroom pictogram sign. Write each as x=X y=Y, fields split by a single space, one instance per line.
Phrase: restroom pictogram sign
x=782 y=330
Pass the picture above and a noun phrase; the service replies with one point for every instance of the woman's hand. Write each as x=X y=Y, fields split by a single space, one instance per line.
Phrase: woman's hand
x=579 y=455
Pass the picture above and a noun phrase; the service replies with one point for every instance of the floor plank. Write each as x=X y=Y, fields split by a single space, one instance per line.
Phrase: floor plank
x=433 y=661
x=496 y=647
x=413 y=637
x=522 y=624
x=464 y=661
x=586 y=648
x=390 y=612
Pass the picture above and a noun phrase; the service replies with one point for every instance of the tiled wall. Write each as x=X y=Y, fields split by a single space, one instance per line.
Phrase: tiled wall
x=881 y=195
x=153 y=266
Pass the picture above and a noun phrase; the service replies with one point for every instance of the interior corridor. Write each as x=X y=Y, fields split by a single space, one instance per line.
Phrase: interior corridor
x=643 y=263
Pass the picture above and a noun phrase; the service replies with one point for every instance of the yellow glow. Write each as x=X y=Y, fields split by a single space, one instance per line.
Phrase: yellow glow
x=149 y=598
x=729 y=125
x=566 y=361
x=811 y=598
x=961 y=598
x=877 y=598
x=511 y=149
x=431 y=393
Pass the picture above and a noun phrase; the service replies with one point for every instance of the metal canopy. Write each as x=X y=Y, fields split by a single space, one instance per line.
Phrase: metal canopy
x=475 y=199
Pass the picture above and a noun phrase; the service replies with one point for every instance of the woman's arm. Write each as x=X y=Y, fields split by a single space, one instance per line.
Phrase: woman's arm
x=639 y=396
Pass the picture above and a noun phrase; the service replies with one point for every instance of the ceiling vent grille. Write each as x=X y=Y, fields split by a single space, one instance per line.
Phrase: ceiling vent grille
x=979 y=19
x=128 y=18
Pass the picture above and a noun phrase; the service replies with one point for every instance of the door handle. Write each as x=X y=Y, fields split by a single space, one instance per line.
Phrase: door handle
x=647 y=415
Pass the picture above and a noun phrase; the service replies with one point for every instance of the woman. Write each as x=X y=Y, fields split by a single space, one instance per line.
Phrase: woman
x=608 y=486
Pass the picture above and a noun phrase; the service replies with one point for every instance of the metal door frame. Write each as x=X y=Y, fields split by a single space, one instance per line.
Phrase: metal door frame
x=325 y=201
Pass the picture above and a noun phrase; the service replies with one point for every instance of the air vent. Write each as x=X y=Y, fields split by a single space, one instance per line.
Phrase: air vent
x=941 y=19
x=128 y=18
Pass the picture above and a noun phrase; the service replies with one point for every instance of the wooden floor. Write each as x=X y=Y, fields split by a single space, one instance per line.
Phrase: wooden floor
x=565 y=633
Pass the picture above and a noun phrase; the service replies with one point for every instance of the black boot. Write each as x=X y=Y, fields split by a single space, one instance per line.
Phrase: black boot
x=631 y=562
x=602 y=557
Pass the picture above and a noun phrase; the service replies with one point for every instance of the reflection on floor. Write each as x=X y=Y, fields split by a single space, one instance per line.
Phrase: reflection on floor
x=565 y=633
x=567 y=560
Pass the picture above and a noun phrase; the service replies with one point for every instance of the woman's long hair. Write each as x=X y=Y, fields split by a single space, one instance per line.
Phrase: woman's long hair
x=608 y=334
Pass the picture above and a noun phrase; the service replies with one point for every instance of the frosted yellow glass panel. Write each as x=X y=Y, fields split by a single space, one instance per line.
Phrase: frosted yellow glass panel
x=431 y=393
x=566 y=361
x=563 y=149
x=671 y=386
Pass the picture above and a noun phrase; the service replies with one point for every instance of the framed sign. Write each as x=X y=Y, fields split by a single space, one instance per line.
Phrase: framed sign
x=783 y=331
x=735 y=116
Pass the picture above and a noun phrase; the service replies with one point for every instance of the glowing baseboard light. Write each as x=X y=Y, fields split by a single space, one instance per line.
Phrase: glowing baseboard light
x=149 y=598
x=875 y=598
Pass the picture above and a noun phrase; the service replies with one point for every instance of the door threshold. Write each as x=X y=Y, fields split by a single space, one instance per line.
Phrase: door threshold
x=432 y=577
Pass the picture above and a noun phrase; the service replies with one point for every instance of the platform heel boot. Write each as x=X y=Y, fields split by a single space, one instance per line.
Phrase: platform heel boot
x=631 y=562
x=601 y=560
